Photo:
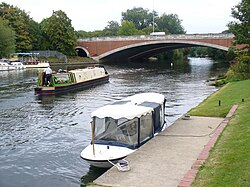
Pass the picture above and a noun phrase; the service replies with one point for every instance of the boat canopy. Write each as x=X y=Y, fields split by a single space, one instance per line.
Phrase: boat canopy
x=117 y=111
x=129 y=107
x=149 y=97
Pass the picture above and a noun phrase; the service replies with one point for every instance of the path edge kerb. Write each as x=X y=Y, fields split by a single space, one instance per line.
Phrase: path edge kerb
x=191 y=174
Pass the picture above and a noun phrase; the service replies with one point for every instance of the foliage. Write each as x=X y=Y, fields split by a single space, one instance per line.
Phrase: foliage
x=239 y=70
x=128 y=28
x=139 y=16
x=58 y=33
x=35 y=34
x=19 y=21
x=111 y=29
x=7 y=39
x=228 y=162
x=241 y=27
x=170 y=24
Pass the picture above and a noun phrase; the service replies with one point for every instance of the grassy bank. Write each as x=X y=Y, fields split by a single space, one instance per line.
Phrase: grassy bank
x=229 y=161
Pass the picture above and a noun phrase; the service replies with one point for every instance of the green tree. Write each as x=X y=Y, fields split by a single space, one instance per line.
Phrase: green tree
x=141 y=18
x=128 y=28
x=35 y=34
x=241 y=26
x=170 y=24
x=19 y=21
x=7 y=39
x=58 y=33
x=111 y=29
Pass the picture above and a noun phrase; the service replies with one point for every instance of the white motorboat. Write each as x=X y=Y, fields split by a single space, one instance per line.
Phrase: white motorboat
x=6 y=66
x=121 y=128
x=18 y=65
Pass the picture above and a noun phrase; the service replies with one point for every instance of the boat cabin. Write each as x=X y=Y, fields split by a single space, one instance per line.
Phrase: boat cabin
x=120 y=128
x=130 y=122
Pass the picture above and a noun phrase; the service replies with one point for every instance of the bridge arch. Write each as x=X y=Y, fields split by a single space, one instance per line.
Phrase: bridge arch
x=81 y=51
x=151 y=48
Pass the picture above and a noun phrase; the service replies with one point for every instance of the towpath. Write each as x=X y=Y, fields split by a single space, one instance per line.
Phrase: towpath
x=170 y=159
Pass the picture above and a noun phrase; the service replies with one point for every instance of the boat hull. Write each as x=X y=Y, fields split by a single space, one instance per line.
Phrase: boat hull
x=43 y=90
x=105 y=156
x=103 y=163
x=37 y=65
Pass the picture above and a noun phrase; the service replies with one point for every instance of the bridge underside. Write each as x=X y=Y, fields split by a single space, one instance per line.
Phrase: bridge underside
x=148 y=49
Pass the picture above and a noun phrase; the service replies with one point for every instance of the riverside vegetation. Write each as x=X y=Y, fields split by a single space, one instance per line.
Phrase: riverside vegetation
x=228 y=163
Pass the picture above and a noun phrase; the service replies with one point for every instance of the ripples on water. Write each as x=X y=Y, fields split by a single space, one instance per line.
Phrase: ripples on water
x=41 y=137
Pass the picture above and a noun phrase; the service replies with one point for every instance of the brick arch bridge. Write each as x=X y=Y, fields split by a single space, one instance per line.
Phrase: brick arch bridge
x=121 y=48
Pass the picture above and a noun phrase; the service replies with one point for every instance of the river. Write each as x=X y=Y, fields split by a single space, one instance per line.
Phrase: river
x=41 y=137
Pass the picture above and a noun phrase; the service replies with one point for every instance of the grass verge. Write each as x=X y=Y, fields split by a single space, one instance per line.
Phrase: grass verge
x=229 y=161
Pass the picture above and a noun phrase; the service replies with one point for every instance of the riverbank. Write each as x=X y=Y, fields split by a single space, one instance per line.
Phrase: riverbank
x=229 y=161
x=170 y=156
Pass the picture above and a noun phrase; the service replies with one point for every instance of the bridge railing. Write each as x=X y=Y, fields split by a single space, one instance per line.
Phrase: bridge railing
x=160 y=37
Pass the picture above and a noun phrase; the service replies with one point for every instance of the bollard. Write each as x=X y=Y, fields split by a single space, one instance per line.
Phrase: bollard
x=219 y=102
x=242 y=100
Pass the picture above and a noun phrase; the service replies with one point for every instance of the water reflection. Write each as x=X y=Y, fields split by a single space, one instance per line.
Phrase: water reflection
x=45 y=99
x=92 y=174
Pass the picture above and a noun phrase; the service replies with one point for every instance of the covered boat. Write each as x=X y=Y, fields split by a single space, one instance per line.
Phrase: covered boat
x=65 y=81
x=121 y=128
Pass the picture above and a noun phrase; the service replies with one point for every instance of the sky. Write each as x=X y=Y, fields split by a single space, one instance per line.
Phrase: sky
x=198 y=16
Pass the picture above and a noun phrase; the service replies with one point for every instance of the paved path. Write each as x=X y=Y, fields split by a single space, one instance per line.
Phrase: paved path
x=165 y=159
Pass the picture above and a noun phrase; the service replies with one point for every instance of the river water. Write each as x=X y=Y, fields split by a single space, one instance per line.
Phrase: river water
x=41 y=137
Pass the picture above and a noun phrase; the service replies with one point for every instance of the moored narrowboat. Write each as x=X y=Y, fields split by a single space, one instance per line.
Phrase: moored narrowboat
x=66 y=81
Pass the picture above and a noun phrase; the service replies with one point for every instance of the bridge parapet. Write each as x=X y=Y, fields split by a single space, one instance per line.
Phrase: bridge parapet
x=165 y=37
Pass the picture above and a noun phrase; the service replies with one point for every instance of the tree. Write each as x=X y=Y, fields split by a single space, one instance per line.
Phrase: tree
x=19 y=21
x=111 y=29
x=170 y=24
x=7 y=39
x=241 y=26
x=141 y=18
x=128 y=28
x=58 y=33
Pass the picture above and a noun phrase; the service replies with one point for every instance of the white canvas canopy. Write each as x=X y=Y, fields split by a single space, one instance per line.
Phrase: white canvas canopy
x=128 y=111
x=129 y=107
x=149 y=97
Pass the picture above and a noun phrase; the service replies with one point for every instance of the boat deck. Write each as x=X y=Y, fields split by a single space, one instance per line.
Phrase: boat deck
x=164 y=160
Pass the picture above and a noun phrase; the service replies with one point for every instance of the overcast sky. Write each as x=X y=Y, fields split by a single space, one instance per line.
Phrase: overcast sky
x=198 y=16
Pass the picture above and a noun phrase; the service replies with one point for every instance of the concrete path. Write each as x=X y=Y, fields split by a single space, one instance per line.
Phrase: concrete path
x=165 y=159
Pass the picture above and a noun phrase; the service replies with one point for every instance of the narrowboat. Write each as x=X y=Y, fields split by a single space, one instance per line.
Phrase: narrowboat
x=35 y=64
x=66 y=81
x=121 y=128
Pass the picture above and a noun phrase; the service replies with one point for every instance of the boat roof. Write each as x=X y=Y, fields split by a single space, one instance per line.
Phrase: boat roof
x=85 y=69
x=130 y=107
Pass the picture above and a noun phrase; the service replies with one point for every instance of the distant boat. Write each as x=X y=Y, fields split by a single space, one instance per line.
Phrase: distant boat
x=35 y=64
x=66 y=81
x=121 y=128
x=5 y=65
x=18 y=65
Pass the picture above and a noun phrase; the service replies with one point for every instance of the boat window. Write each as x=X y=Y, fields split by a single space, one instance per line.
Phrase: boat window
x=146 y=127
x=99 y=126
x=157 y=118
x=162 y=117
x=120 y=132
x=61 y=78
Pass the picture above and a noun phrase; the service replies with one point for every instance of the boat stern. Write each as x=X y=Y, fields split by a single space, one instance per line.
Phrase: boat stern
x=44 y=90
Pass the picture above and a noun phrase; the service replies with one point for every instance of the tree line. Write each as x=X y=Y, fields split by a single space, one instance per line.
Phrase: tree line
x=20 y=33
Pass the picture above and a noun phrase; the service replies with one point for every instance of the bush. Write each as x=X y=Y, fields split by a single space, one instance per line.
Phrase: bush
x=239 y=70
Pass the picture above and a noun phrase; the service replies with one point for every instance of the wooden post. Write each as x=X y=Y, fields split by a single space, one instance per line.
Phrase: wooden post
x=93 y=137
